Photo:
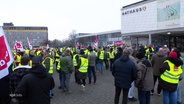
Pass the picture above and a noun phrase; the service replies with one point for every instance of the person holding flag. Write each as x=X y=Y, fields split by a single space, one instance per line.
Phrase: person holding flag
x=6 y=60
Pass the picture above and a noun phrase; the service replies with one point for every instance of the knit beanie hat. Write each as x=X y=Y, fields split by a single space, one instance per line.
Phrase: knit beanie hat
x=173 y=55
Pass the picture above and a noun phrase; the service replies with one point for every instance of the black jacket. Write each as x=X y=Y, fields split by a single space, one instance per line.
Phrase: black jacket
x=35 y=86
x=124 y=72
x=16 y=76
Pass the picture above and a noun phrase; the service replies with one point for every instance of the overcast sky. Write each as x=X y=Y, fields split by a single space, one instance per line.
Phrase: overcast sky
x=63 y=16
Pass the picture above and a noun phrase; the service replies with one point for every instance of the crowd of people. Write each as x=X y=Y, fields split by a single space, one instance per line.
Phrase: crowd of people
x=31 y=82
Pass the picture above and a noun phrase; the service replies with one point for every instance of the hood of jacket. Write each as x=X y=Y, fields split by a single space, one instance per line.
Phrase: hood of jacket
x=23 y=67
x=146 y=63
x=176 y=61
x=38 y=71
x=124 y=58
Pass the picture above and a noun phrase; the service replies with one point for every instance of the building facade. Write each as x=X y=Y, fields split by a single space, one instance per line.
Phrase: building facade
x=156 y=22
x=35 y=35
x=104 y=38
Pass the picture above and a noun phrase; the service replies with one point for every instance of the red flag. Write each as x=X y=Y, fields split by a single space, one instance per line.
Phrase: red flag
x=18 y=45
x=6 y=57
x=95 y=41
x=77 y=45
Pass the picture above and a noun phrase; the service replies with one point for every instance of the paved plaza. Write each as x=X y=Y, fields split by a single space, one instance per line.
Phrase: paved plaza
x=100 y=93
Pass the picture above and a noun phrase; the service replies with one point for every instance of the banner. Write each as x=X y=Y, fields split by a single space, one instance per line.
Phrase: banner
x=119 y=43
x=6 y=57
x=77 y=45
x=18 y=46
x=29 y=44
x=47 y=47
x=95 y=42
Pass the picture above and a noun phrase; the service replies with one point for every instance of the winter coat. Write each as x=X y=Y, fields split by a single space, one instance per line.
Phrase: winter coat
x=5 y=85
x=35 y=86
x=118 y=54
x=92 y=59
x=66 y=64
x=165 y=85
x=157 y=61
x=47 y=62
x=144 y=74
x=17 y=75
x=124 y=72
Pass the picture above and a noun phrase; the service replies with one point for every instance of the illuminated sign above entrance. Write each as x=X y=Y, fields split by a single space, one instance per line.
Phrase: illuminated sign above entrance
x=135 y=10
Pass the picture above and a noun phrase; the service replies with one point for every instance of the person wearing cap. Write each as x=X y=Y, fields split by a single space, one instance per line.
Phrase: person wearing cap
x=35 y=86
x=169 y=78
x=179 y=96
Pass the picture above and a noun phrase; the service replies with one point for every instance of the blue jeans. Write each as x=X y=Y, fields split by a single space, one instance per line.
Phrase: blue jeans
x=100 y=67
x=60 y=79
x=51 y=92
x=169 y=97
x=144 y=97
x=178 y=93
x=91 y=71
x=65 y=81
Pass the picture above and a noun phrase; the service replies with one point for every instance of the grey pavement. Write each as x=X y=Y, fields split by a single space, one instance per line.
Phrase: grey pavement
x=100 y=93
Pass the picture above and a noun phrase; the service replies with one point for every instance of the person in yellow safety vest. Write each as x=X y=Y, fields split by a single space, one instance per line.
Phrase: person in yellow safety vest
x=86 y=51
x=27 y=51
x=75 y=61
x=82 y=69
x=38 y=52
x=100 y=59
x=48 y=64
x=149 y=52
x=17 y=58
x=169 y=78
x=111 y=56
x=106 y=57
x=56 y=56
x=31 y=55
x=61 y=50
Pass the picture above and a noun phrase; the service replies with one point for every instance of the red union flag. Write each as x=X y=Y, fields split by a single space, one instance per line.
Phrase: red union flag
x=77 y=45
x=95 y=41
x=6 y=57
x=18 y=45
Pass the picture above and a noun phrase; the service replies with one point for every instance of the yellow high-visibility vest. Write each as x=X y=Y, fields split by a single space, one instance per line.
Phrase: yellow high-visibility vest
x=101 y=55
x=51 y=65
x=84 y=65
x=111 y=55
x=172 y=76
x=30 y=63
x=74 y=60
